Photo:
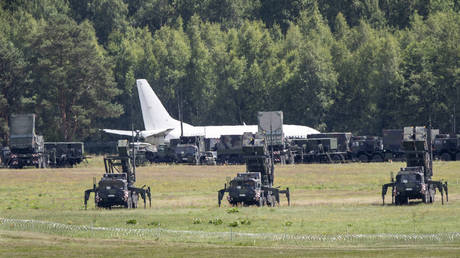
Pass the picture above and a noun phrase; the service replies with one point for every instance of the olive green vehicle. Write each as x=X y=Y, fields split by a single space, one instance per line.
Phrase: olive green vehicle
x=255 y=186
x=414 y=181
x=116 y=187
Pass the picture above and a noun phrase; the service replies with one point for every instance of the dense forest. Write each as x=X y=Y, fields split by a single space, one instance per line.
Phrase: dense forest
x=335 y=65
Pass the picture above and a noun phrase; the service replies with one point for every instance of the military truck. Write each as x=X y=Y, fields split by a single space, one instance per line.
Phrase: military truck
x=414 y=181
x=317 y=150
x=116 y=187
x=142 y=150
x=27 y=148
x=270 y=125
x=64 y=154
x=230 y=149
x=447 y=147
x=162 y=153
x=190 y=149
x=392 y=139
x=255 y=186
x=367 y=148
x=343 y=139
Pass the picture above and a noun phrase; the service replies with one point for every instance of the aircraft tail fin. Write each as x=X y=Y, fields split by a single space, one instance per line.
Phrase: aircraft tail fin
x=154 y=113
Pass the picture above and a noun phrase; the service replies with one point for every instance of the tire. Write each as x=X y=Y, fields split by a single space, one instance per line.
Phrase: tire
x=446 y=156
x=337 y=158
x=377 y=158
x=363 y=158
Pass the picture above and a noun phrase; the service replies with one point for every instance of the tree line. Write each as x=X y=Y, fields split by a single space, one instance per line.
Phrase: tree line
x=342 y=65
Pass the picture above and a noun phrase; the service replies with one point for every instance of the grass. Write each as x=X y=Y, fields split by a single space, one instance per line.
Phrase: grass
x=335 y=210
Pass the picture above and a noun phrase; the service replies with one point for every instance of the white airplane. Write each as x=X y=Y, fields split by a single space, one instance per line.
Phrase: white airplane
x=160 y=125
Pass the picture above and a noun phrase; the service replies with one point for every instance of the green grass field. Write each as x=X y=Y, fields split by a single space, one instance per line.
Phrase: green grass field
x=336 y=210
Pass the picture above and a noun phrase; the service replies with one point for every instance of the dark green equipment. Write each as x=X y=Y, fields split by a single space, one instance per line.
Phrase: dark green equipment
x=64 y=154
x=447 y=147
x=317 y=150
x=190 y=150
x=414 y=181
x=255 y=186
x=27 y=148
x=116 y=187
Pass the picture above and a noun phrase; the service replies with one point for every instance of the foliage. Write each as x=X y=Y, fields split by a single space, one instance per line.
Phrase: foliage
x=78 y=78
x=131 y=222
x=354 y=65
x=233 y=210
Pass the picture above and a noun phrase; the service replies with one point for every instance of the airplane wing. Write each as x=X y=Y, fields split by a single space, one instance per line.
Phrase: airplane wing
x=149 y=133
x=144 y=134
x=119 y=132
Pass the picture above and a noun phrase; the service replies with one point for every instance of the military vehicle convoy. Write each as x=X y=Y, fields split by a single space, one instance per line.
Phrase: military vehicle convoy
x=27 y=148
x=255 y=186
x=414 y=181
x=116 y=187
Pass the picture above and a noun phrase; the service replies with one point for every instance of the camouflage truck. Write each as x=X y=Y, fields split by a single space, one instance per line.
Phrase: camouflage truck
x=116 y=187
x=190 y=149
x=142 y=151
x=64 y=154
x=230 y=149
x=415 y=180
x=270 y=125
x=162 y=153
x=447 y=147
x=317 y=150
x=392 y=139
x=255 y=186
x=27 y=148
x=367 y=148
x=343 y=139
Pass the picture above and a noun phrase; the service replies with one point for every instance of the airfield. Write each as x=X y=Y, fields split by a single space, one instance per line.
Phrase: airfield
x=336 y=210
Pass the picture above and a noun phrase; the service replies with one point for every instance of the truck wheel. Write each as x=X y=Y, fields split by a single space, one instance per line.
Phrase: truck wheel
x=363 y=158
x=337 y=159
x=457 y=156
x=446 y=156
x=377 y=158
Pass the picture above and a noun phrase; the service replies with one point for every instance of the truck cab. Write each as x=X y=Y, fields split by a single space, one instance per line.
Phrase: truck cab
x=245 y=188
x=113 y=191
x=189 y=150
x=410 y=184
